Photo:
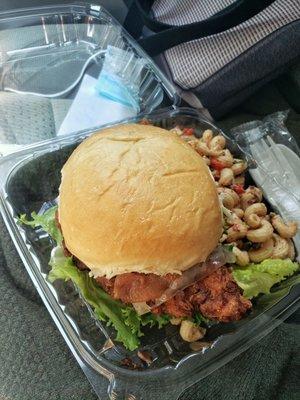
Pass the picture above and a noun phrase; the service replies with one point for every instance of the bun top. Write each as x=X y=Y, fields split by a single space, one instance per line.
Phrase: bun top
x=137 y=198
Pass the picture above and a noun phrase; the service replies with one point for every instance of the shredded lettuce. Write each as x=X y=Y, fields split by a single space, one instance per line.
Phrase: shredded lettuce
x=199 y=319
x=46 y=221
x=228 y=247
x=122 y=317
x=259 y=278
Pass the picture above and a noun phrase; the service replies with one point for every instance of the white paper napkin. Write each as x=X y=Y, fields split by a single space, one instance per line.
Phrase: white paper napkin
x=90 y=110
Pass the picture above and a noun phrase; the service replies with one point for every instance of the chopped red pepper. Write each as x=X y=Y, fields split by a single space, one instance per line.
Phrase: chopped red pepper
x=145 y=121
x=239 y=189
x=217 y=164
x=236 y=227
x=188 y=131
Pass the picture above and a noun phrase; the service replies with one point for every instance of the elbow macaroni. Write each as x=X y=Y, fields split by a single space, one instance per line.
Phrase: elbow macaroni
x=246 y=219
x=261 y=234
x=281 y=247
x=226 y=159
x=242 y=257
x=229 y=197
x=207 y=136
x=226 y=177
x=265 y=251
x=239 y=168
x=253 y=213
x=218 y=142
x=287 y=230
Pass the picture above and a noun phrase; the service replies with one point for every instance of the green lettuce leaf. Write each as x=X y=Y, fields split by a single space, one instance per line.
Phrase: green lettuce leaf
x=154 y=319
x=123 y=318
x=259 y=278
x=105 y=308
x=46 y=221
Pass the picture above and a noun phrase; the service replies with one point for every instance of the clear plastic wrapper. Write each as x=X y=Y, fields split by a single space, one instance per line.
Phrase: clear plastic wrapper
x=274 y=163
x=30 y=179
x=272 y=125
x=120 y=77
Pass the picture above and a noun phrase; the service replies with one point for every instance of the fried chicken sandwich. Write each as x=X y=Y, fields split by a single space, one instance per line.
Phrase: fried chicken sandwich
x=139 y=209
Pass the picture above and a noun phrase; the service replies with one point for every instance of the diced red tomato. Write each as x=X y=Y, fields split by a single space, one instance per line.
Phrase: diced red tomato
x=239 y=189
x=217 y=164
x=188 y=131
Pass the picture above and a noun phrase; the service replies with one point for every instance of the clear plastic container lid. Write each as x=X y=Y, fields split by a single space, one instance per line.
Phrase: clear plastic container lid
x=54 y=61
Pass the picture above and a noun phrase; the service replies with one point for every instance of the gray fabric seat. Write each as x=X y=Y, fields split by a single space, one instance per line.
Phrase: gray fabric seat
x=25 y=119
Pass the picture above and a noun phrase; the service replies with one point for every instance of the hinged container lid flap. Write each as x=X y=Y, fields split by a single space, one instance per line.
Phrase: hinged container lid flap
x=70 y=68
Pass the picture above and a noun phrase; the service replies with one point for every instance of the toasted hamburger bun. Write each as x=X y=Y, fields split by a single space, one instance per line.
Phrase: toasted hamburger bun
x=137 y=198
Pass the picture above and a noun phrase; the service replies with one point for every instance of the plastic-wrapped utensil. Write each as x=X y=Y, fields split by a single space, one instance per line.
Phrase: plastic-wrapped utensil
x=274 y=163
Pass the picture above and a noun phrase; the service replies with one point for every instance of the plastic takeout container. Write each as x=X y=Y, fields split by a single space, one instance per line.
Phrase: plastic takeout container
x=45 y=51
x=31 y=179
